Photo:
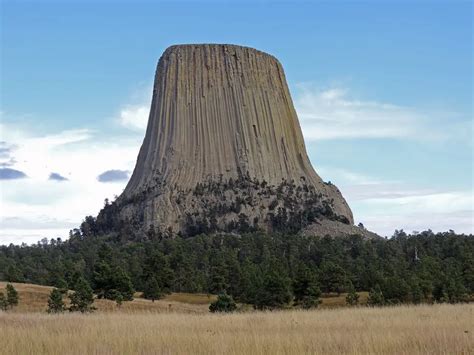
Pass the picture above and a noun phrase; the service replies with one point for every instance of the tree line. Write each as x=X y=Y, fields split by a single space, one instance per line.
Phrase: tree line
x=268 y=271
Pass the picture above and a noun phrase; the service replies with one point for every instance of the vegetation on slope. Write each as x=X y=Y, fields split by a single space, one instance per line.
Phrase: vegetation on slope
x=267 y=271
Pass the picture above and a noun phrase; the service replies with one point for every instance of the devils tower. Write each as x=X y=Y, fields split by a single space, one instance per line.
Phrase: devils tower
x=223 y=149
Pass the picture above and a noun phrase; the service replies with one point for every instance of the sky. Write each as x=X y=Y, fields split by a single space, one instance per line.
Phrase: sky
x=383 y=92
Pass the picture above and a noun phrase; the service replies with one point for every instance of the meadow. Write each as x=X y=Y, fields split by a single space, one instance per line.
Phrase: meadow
x=186 y=327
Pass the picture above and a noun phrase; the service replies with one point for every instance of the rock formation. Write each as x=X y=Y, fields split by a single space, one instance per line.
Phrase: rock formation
x=223 y=148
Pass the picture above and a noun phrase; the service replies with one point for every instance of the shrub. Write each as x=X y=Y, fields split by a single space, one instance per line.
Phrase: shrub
x=376 y=297
x=352 y=297
x=224 y=303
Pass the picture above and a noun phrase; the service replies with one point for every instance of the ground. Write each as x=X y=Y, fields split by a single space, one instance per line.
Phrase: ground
x=137 y=328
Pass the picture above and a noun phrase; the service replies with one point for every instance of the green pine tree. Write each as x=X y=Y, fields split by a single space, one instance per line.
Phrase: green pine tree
x=3 y=302
x=82 y=298
x=152 y=290
x=275 y=292
x=55 y=301
x=12 y=296
x=333 y=277
x=306 y=289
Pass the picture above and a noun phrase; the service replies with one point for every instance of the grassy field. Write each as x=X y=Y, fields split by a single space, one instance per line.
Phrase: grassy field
x=439 y=329
x=181 y=324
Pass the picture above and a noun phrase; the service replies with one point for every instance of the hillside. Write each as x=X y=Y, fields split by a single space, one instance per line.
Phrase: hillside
x=265 y=271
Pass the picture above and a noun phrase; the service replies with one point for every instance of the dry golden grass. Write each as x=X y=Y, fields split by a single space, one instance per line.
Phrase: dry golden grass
x=34 y=298
x=438 y=329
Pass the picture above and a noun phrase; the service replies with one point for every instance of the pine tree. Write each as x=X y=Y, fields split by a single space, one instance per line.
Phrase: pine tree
x=82 y=298
x=12 y=296
x=352 y=297
x=275 y=292
x=55 y=302
x=157 y=275
x=306 y=289
x=3 y=302
x=224 y=303
x=333 y=277
x=152 y=290
x=375 y=297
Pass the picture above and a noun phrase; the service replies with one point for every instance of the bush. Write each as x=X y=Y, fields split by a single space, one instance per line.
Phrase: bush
x=224 y=303
x=376 y=297
x=352 y=297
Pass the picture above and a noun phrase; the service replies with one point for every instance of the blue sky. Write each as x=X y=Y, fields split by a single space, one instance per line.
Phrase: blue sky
x=383 y=91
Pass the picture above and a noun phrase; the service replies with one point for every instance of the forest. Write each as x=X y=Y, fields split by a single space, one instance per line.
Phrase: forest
x=268 y=271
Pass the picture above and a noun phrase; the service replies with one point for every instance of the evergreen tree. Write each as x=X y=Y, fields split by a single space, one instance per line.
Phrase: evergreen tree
x=110 y=281
x=55 y=301
x=82 y=298
x=395 y=290
x=275 y=292
x=217 y=280
x=251 y=282
x=332 y=277
x=306 y=289
x=224 y=303
x=13 y=274
x=416 y=292
x=152 y=290
x=3 y=302
x=12 y=296
x=352 y=297
x=123 y=285
x=157 y=275
x=375 y=297
x=61 y=284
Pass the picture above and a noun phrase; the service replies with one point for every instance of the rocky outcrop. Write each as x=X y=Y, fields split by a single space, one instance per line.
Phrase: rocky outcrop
x=223 y=136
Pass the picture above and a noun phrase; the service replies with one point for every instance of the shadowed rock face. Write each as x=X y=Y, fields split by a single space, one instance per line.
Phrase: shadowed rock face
x=220 y=113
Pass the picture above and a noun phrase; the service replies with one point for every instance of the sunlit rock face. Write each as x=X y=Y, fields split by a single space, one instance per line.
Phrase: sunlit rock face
x=223 y=146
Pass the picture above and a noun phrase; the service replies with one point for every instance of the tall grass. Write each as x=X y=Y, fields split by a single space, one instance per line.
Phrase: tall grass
x=438 y=329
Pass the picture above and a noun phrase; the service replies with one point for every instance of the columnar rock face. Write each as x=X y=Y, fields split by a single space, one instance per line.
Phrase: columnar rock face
x=221 y=114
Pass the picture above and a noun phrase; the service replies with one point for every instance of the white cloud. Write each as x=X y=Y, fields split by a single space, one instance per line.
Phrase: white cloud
x=386 y=207
x=78 y=155
x=334 y=114
x=134 y=116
